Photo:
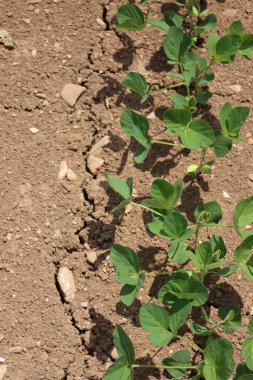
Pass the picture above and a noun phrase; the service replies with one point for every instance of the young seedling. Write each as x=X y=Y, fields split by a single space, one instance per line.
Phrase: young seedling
x=193 y=134
x=185 y=289
x=195 y=74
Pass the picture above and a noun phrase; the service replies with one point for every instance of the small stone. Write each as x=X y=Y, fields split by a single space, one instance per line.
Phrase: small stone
x=71 y=176
x=66 y=283
x=34 y=53
x=235 y=88
x=94 y=163
x=250 y=177
x=3 y=371
x=16 y=350
x=101 y=22
x=84 y=305
x=226 y=195
x=6 y=39
x=151 y=116
x=71 y=92
x=250 y=141
x=97 y=148
x=34 y=130
x=230 y=12
x=248 y=135
x=114 y=354
x=2 y=360
x=1 y=337
x=8 y=237
x=91 y=257
x=27 y=21
x=63 y=170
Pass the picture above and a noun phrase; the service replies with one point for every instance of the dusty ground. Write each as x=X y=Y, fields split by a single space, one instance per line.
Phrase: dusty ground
x=47 y=223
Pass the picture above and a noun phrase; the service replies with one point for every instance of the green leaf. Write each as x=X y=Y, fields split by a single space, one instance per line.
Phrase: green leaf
x=126 y=263
x=222 y=145
x=211 y=211
x=123 y=344
x=234 y=121
x=204 y=253
x=178 y=252
x=154 y=319
x=228 y=45
x=232 y=316
x=218 y=246
x=178 y=314
x=223 y=49
x=177 y=118
x=179 y=358
x=164 y=194
x=199 y=330
x=129 y=292
x=250 y=326
x=123 y=188
x=160 y=24
x=173 y=19
x=182 y=285
x=236 y=28
x=175 y=224
x=243 y=215
x=119 y=370
x=246 y=47
x=247 y=352
x=208 y=23
x=197 y=135
x=131 y=17
x=135 y=126
x=219 y=362
x=176 y=44
x=136 y=83
x=202 y=95
x=243 y=373
x=243 y=251
x=227 y=271
x=142 y=152
x=247 y=268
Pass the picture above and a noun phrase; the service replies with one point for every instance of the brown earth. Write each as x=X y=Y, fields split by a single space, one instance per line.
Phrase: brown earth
x=47 y=223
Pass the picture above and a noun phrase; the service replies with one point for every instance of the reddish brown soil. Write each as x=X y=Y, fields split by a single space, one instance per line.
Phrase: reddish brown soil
x=47 y=224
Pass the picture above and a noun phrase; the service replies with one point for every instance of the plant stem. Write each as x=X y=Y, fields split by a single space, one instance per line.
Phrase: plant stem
x=146 y=208
x=192 y=344
x=154 y=274
x=167 y=143
x=186 y=83
x=202 y=160
x=196 y=236
x=163 y=366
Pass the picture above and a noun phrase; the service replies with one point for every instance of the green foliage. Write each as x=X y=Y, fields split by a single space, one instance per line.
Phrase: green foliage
x=164 y=195
x=185 y=288
x=127 y=265
x=231 y=317
x=183 y=285
x=219 y=362
x=247 y=352
x=179 y=358
x=123 y=188
x=121 y=369
x=137 y=126
x=137 y=84
x=131 y=17
x=243 y=216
